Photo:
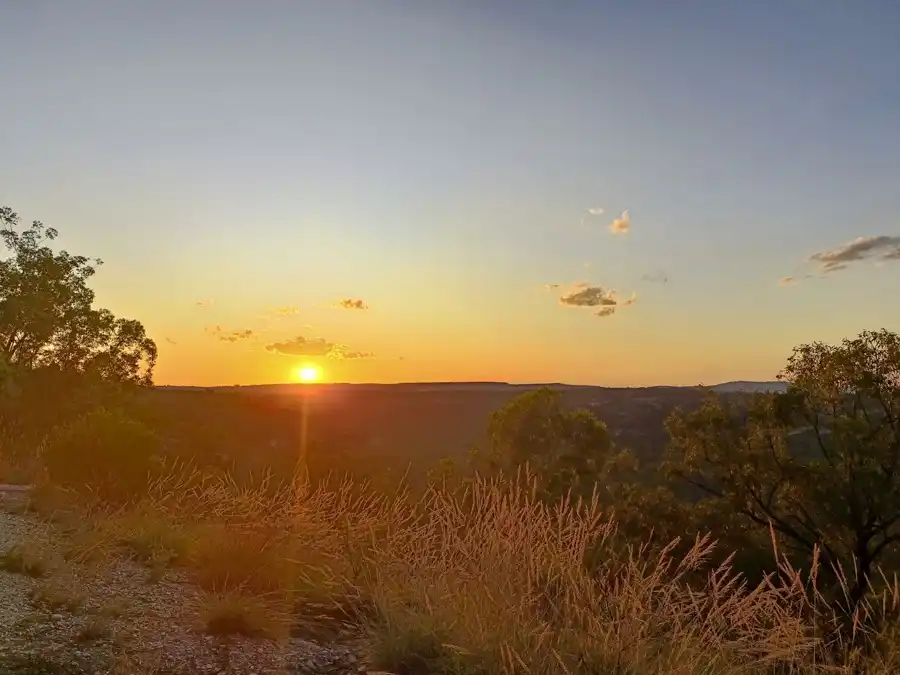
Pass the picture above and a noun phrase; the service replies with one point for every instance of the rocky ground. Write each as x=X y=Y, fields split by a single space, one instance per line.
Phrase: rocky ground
x=110 y=619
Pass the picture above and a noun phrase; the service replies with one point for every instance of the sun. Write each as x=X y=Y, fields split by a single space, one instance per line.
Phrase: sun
x=308 y=374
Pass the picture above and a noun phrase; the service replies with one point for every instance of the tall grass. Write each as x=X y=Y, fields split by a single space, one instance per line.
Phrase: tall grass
x=480 y=578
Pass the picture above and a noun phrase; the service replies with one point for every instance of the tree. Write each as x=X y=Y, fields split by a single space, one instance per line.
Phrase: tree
x=567 y=450
x=819 y=463
x=47 y=317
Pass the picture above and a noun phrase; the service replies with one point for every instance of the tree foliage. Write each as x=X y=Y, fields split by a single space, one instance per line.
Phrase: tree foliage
x=567 y=450
x=819 y=463
x=47 y=317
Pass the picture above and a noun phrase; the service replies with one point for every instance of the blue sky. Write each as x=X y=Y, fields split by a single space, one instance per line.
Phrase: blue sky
x=436 y=159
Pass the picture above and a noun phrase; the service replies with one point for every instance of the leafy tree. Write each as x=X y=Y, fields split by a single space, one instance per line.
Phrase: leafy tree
x=47 y=318
x=567 y=450
x=819 y=463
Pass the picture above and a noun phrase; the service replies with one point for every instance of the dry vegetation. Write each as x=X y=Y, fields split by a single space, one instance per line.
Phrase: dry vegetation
x=483 y=578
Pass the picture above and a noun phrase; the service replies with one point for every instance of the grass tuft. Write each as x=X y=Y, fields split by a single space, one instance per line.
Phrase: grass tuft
x=93 y=629
x=57 y=595
x=24 y=559
x=233 y=613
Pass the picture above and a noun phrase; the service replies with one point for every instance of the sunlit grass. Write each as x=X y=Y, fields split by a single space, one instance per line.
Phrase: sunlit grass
x=481 y=578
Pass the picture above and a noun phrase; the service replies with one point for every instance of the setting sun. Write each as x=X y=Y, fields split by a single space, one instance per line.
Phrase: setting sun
x=309 y=374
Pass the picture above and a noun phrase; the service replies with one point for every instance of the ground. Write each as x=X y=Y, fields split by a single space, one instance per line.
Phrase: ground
x=89 y=618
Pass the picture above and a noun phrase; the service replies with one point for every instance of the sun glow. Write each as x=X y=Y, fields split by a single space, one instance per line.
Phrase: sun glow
x=308 y=374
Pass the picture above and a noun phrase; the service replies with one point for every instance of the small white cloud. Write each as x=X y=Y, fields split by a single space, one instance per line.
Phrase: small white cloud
x=585 y=295
x=622 y=224
x=596 y=211
x=352 y=303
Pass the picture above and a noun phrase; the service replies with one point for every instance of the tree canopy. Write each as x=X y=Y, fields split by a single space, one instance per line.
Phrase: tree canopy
x=566 y=449
x=819 y=463
x=47 y=318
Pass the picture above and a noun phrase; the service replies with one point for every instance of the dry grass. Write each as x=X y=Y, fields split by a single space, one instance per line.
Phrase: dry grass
x=25 y=559
x=114 y=609
x=239 y=613
x=59 y=594
x=95 y=628
x=485 y=579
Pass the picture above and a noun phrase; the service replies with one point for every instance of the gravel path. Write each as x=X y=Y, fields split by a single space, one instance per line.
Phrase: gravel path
x=153 y=627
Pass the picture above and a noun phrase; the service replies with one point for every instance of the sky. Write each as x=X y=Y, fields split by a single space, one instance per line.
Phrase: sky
x=613 y=193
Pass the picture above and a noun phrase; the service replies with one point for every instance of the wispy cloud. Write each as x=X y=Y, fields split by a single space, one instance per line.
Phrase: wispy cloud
x=622 y=224
x=303 y=346
x=787 y=281
x=230 y=335
x=884 y=248
x=289 y=310
x=595 y=211
x=171 y=341
x=658 y=277
x=351 y=303
x=551 y=287
x=586 y=295
x=203 y=303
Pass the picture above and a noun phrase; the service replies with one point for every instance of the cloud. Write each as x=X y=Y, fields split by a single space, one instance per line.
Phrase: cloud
x=283 y=311
x=357 y=355
x=595 y=211
x=787 y=281
x=302 y=346
x=203 y=303
x=886 y=248
x=551 y=287
x=171 y=341
x=622 y=224
x=350 y=303
x=658 y=277
x=585 y=295
x=230 y=336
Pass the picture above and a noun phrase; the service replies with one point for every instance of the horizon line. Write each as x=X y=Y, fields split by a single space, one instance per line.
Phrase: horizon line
x=317 y=385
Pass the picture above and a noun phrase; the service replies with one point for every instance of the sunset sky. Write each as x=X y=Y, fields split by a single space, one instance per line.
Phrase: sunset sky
x=243 y=167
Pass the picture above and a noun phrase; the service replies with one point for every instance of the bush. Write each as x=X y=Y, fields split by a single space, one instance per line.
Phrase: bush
x=23 y=560
x=106 y=454
x=233 y=613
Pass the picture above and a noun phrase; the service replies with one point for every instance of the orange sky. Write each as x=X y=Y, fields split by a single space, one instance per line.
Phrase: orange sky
x=445 y=161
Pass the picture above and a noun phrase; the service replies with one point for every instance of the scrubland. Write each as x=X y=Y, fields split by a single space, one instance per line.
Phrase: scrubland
x=466 y=576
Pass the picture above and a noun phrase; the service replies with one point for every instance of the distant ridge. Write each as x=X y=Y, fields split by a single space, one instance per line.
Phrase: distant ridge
x=725 y=387
x=743 y=386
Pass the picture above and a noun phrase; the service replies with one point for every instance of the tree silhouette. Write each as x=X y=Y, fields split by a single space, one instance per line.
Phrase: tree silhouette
x=47 y=317
x=568 y=450
x=819 y=463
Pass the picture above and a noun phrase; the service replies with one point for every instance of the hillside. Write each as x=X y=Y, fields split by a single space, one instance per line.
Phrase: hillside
x=373 y=429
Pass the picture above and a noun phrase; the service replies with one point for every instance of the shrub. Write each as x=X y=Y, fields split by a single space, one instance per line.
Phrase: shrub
x=95 y=628
x=235 y=613
x=105 y=454
x=58 y=594
x=23 y=560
